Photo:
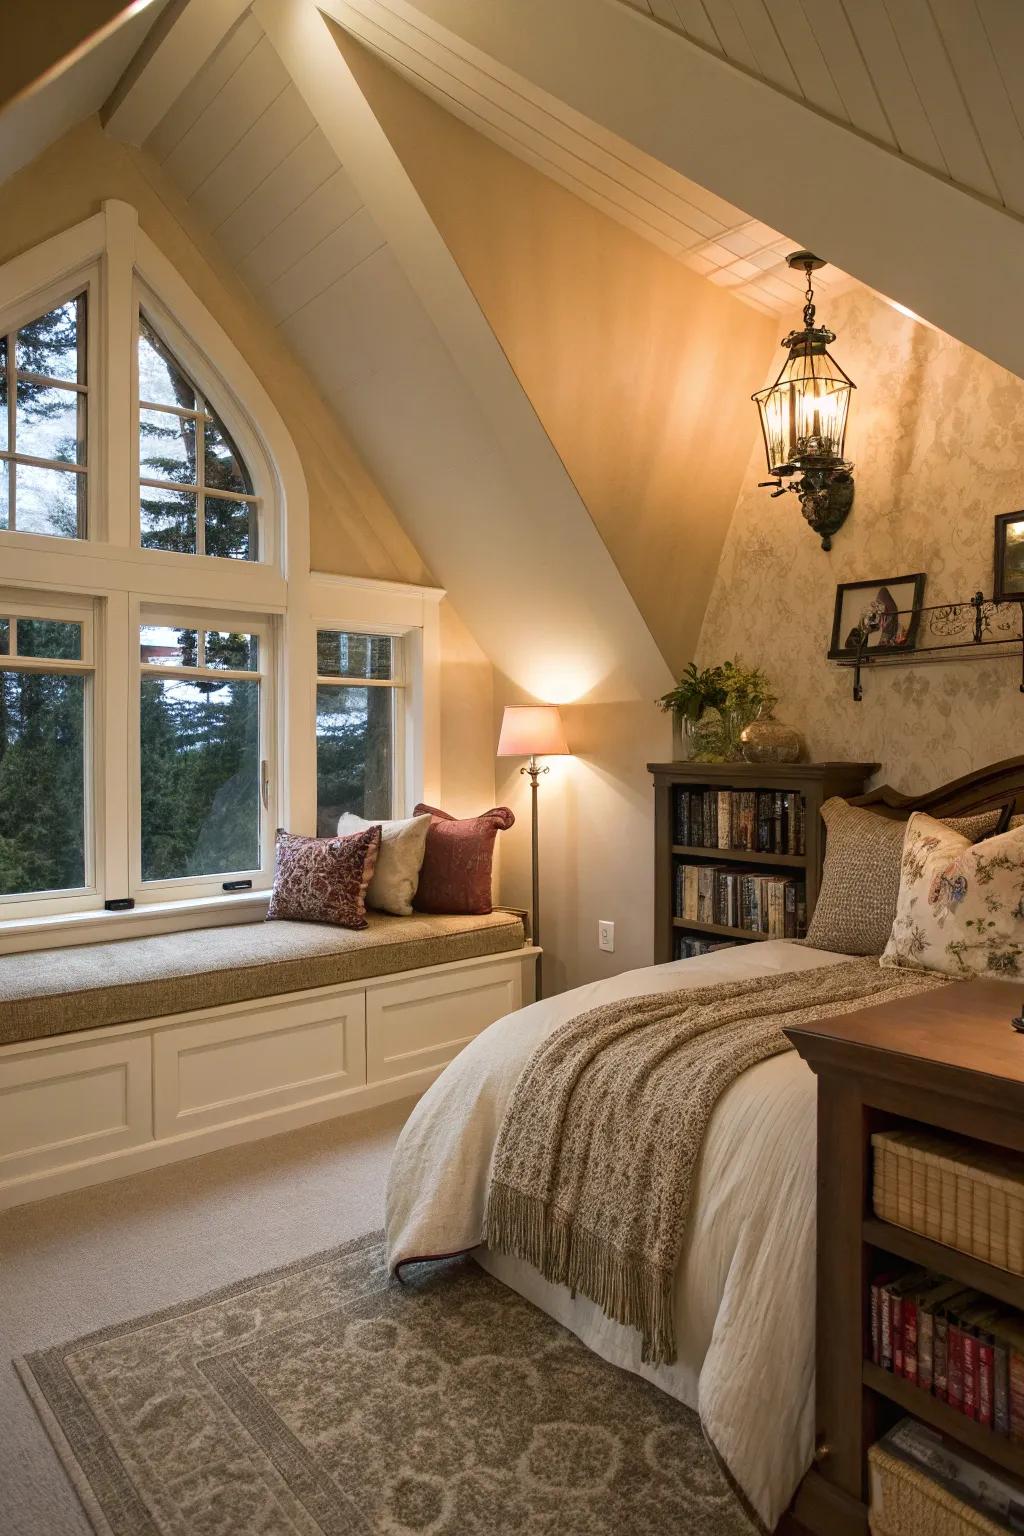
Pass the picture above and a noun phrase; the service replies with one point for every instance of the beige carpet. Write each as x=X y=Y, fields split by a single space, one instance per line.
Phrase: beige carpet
x=105 y=1255
x=325 y=1399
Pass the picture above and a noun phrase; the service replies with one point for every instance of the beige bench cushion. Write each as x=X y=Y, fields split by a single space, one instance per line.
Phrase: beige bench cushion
x=58 y=991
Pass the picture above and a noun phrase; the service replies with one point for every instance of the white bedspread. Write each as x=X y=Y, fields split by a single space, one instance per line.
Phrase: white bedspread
x=744 y=1302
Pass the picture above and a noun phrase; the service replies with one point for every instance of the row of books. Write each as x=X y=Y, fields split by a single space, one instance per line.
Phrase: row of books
x=954 y=1343
x=758 y=820
x=716 y=893
x=686 y=946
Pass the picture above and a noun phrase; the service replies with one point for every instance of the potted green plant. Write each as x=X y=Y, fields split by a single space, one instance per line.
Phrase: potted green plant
x=715 y=705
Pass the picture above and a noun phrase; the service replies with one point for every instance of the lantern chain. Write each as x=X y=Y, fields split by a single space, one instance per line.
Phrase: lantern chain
x=809 y=296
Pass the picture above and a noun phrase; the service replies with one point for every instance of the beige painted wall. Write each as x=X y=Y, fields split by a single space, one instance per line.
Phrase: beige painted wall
x=935 y=432
x=353 y=530
x=639 y=369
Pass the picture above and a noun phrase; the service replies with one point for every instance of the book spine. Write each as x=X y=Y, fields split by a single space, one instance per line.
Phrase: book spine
x=778 y=838
x=1000 y=1388
x=1017 y=1396
x=955 y=1368
x=876 y=1322
x=909 y=1320
x=969 y=1346
x=925 y=1349
x=940 y=1359
x=724 y=812
x=885 y=1329
x=897 y=1334
x=985 y=1395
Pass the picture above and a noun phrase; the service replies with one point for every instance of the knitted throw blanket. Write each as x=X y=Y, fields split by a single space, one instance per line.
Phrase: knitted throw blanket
x=596 y=1157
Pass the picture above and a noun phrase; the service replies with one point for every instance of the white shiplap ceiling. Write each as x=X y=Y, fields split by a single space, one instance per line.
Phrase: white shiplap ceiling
x=938 y=81
x=695 y=226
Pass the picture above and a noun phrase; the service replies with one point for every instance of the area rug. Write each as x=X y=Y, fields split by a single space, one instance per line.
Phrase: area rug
x=325 y=1399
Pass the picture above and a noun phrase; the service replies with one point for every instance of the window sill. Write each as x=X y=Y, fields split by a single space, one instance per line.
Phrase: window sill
x=60 y=929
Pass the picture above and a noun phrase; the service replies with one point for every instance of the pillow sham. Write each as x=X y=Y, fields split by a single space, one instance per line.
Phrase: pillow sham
x=399 y=860
x=456 y=873
x=960 y=909
x=860 y=882
x=323 y=879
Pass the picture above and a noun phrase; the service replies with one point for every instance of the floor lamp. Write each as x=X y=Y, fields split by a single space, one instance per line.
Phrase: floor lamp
x=533 y=730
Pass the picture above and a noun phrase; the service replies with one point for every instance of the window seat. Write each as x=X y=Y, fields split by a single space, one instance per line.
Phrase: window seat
x=45 y=993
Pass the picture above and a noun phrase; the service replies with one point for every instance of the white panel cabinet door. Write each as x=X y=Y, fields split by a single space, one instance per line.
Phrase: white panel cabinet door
x=409 y=1029
x=64 y=1105
x=256 y=1060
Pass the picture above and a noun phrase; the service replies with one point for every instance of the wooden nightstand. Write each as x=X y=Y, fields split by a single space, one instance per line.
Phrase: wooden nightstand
x=948 y=1059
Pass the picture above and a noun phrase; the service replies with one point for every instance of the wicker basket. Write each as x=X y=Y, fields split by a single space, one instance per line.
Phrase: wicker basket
x=905 y=1501
x=965 y=1195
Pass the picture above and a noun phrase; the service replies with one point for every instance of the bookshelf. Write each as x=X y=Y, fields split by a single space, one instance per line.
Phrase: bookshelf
x=806 y=785
x=946 y=1061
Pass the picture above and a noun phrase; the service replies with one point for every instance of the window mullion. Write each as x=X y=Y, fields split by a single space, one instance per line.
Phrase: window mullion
x=200 y=478
x=112 y=407
x=116 y=748
x=12 y=418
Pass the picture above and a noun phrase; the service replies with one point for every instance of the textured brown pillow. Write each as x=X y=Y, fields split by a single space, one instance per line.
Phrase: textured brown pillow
x=456 y=873
x=860 y=883
x=323 y=879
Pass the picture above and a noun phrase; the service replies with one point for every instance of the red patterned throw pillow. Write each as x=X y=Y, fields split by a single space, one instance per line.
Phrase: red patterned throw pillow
x=456 y=873
x=323 y=879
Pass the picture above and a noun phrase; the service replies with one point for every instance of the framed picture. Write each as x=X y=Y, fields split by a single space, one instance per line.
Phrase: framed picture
x=1009 y=582
x=879 y=609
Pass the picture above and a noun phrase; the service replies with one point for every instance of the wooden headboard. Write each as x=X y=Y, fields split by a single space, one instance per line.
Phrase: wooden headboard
x=987 y=789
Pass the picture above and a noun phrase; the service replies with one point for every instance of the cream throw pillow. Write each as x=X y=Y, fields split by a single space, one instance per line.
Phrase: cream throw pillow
x=960 y=909
x=397 y=874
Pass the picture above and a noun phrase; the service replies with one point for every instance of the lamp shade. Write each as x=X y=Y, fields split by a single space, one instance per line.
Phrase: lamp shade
x=532 y=730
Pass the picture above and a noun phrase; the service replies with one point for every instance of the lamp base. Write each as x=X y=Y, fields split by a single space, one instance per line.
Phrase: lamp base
x=826 y=496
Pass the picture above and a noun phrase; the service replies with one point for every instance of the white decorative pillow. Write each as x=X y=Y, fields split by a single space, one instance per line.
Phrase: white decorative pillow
x=960 y=909
x=397 y=873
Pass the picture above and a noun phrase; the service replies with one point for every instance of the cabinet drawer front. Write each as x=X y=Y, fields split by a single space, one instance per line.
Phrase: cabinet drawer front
x=257 y=1061
x=67 y=1105
x=412 y=1026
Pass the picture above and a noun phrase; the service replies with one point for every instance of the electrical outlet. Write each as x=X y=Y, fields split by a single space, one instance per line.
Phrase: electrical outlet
x=606 y=935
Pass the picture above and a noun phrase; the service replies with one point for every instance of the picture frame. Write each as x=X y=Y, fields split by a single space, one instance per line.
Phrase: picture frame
x=889 y=601
x=1008 y=585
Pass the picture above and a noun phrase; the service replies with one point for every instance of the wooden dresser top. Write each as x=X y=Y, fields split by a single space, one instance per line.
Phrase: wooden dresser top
x=955 y=1031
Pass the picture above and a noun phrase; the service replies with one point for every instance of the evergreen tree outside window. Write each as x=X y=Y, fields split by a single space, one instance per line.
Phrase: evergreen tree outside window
x=43 y=422
x=202 y=774
x=359 y=685
x=196 y=494
x=45 y=687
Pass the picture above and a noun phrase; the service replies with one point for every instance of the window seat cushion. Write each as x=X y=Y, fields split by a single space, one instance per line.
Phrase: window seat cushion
x=59 y=991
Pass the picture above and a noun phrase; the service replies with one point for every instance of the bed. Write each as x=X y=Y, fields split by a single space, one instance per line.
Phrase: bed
x=743 y=1299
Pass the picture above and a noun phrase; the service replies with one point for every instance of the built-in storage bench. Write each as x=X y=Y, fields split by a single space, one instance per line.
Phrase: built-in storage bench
x=117 y=1057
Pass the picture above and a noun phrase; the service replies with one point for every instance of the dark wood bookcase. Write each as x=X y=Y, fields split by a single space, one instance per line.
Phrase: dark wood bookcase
x=813 y=782
x=947 y=1060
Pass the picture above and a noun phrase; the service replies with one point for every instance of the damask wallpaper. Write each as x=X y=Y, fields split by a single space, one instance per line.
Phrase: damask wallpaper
x=937 y=437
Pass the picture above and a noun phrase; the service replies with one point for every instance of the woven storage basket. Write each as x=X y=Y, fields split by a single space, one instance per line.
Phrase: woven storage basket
x=968 y=1196
x=905 y=1501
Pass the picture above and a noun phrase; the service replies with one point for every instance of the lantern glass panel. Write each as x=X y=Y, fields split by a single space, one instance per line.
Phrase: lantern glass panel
x=803 y=414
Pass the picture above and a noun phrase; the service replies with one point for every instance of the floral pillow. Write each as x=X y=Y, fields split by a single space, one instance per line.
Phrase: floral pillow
x=960 y=908
x=323 y=879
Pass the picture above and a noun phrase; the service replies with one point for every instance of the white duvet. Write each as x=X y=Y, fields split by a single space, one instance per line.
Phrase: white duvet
x=744 y=1299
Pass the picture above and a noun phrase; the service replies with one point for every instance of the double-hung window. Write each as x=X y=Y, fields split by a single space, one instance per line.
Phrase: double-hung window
x=205 y=723
x=360 y=711
x=46 y=709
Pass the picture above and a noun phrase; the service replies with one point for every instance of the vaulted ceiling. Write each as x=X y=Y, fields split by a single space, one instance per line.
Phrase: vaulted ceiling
x=936 y=80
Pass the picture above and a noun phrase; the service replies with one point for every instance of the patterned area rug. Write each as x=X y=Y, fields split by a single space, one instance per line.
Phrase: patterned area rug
x=325 y=1400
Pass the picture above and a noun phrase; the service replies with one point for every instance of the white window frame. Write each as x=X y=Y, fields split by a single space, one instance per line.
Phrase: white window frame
x=402 y=726
x=109 y=574
x=190 y=615
x=17 y=603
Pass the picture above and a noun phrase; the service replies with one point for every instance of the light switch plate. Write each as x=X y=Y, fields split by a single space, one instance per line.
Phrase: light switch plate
x=606 y=935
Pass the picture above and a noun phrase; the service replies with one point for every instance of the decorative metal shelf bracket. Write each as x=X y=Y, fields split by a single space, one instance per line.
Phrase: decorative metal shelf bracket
x=992 y=630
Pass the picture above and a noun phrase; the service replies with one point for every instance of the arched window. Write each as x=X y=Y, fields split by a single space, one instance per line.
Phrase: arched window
x=196 y=494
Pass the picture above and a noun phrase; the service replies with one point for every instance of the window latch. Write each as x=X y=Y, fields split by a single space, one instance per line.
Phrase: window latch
x=265 y=784
x=119 y=904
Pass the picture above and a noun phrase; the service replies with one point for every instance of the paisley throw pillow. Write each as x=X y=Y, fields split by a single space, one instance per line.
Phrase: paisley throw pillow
x=323 y=879
x=960 y=909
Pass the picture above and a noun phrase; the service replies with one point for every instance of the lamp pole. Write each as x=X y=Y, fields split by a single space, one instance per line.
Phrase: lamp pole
x=534 y=770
